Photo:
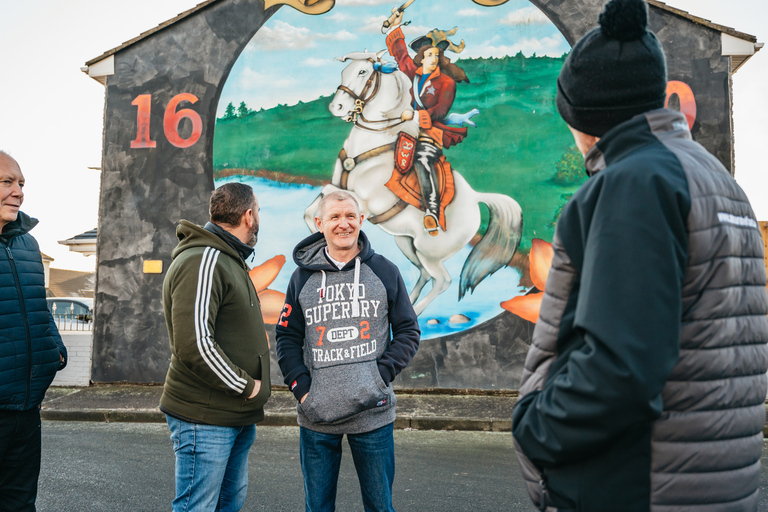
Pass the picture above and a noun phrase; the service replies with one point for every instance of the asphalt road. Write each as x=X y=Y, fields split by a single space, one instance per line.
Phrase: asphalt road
x=128 y=467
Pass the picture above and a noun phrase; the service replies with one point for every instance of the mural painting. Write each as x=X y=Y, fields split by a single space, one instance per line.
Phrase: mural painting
x=297 y=97
x=438 y=115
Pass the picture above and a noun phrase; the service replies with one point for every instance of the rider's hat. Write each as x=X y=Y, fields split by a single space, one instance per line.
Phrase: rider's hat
x=417 y=43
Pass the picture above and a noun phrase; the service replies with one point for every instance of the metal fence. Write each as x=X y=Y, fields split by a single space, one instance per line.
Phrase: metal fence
x=73 y=322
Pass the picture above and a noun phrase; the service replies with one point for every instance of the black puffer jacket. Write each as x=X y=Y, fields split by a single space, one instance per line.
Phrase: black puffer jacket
x=644 y=386
x=30 y=345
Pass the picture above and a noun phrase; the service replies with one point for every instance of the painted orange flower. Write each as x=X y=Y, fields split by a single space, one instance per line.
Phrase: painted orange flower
x=540 y=259
x=271 y=301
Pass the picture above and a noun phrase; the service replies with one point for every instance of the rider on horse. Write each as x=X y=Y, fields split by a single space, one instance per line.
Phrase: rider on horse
x=434 y=80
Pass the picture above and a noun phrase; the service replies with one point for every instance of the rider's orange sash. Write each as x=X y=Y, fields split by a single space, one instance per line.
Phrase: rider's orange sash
x=405 y=184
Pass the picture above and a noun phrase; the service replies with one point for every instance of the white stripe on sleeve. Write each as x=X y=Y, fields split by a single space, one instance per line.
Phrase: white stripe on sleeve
x=203 y=335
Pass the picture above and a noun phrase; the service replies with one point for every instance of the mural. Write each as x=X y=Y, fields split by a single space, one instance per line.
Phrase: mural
x=230 y=90
x=448 y=136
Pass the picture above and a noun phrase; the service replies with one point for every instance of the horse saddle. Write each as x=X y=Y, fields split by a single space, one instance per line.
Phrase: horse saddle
x=405 y=184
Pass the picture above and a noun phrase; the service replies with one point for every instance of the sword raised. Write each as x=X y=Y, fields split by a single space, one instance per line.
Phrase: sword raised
x=395 y=12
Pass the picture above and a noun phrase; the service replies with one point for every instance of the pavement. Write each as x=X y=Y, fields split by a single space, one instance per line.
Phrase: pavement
x=419 y=410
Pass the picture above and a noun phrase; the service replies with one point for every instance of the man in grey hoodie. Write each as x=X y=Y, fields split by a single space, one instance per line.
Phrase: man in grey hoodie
x=337 y=355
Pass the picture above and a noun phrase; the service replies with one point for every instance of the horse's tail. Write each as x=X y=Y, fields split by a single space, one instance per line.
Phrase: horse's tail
x=498 y=245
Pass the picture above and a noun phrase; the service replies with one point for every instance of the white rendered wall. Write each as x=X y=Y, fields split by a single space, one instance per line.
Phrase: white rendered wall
x=79 y=348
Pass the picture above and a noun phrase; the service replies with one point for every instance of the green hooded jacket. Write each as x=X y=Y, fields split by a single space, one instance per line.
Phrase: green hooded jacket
x=218 y=340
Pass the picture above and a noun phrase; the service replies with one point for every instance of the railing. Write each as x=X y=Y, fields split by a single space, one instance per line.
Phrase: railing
x=73 y=322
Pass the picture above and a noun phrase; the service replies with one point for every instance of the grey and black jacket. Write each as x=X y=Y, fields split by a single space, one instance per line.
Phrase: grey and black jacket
x=645 y=382
x=343 y=337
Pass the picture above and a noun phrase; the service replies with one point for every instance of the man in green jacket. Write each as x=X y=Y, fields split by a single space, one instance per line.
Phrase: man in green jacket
x=218 y=379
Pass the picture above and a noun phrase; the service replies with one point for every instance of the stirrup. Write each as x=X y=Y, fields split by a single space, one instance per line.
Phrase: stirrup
x=430 y=223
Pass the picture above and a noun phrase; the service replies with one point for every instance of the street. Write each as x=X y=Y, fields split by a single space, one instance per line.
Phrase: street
x=128 y=467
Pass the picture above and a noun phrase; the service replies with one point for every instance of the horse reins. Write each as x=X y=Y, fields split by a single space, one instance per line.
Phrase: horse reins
x=361 y=100
x=349 y=163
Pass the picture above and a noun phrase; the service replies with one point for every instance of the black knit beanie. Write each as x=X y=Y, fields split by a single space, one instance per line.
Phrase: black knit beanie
x=615 y=72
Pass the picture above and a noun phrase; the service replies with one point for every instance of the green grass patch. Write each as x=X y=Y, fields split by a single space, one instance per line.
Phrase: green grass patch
x=516 y=149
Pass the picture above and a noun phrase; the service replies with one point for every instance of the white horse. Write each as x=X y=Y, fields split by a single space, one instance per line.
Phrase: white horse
x=374 y=99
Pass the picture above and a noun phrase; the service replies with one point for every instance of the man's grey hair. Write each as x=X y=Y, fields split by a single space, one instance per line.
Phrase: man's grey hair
x=7 y=155
x=338 y=195
x=229 y=203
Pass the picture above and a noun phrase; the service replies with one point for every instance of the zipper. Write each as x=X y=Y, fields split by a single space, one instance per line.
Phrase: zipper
x=24 y=320
x=544 y=492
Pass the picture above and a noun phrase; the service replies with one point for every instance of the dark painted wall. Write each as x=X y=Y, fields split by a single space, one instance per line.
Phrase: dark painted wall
x=146 y=191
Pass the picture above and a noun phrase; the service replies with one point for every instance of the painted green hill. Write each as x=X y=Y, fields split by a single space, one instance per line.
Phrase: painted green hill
x=514 y=149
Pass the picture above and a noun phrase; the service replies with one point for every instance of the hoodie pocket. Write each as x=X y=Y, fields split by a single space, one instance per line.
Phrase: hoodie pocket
x=339 y=392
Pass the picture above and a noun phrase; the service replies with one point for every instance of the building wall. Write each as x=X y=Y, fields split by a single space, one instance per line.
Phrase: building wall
x=145 y=191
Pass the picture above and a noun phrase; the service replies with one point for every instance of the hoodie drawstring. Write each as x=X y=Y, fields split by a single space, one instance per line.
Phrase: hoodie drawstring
x=356 y=291
x=322 y=285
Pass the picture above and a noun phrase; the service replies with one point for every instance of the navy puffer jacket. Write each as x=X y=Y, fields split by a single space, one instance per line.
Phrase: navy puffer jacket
x=30 y=345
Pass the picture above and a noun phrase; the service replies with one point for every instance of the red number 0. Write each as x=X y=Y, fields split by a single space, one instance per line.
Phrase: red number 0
x=173 y=119
x=364 y=328
x=686 y=97
x=285 y=314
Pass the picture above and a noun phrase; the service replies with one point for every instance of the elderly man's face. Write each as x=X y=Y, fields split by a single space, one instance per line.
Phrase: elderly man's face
x=11 y=190
x=340 y=224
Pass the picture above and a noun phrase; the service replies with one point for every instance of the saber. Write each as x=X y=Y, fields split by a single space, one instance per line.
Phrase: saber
x=388 y=22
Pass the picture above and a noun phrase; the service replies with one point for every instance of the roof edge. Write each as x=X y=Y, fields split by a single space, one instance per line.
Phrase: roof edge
x=702 y=21
x=152 y=31
x=656 y=3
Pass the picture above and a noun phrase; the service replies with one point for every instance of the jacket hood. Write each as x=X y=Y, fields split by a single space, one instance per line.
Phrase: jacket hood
x=21 y=226
x=309 y=254
x=191 y=235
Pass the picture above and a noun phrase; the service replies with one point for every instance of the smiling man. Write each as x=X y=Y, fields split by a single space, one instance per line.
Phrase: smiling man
x=31 y=350
x=337 y=356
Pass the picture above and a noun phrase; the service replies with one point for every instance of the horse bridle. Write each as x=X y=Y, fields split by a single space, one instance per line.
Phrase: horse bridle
x=361 y=100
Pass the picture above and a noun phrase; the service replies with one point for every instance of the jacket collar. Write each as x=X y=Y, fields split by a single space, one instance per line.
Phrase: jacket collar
x=22 y=225
x=435 y=73
x=245 y=251
x=660 y=124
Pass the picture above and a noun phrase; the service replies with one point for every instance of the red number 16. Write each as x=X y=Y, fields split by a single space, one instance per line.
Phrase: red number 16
x=171 y=122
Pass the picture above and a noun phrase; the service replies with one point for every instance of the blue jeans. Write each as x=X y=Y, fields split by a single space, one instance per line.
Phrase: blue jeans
x=211 y=465
x=374 y=456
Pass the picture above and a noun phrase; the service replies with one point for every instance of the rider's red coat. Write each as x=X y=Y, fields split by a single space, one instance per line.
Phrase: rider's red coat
x=437 y=94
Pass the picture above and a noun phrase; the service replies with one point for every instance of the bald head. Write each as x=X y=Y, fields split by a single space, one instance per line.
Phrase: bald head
x=11 y=189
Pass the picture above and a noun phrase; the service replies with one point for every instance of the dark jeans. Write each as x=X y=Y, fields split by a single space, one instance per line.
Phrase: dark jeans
x=19 y=459
x=374 y=456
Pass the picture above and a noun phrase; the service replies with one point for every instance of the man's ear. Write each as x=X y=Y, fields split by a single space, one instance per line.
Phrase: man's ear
x=248 y=218
x=319 y=224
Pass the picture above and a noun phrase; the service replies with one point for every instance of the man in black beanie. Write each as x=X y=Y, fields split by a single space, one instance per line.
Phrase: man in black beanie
x=644 y=386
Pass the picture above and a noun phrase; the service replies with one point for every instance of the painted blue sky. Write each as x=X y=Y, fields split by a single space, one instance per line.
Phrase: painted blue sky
x=291 y=58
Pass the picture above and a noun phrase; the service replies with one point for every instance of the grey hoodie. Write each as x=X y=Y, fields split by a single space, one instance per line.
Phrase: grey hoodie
x=343 y=337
